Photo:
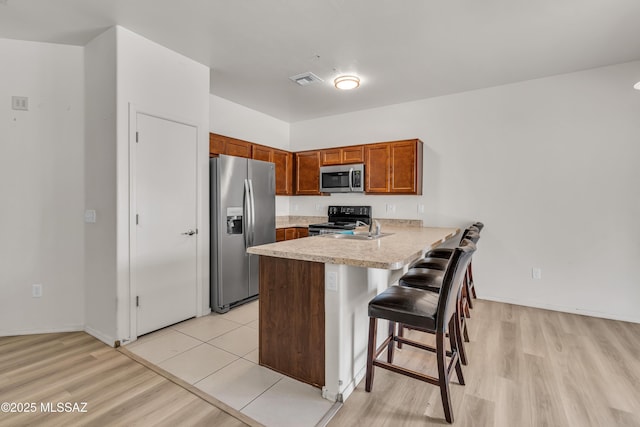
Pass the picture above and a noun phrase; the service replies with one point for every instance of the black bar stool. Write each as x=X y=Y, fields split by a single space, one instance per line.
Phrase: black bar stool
x=417 y=274
x=438 y=258
x=427 y=312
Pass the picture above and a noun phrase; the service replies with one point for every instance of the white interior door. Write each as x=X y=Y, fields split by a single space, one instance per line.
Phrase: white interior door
x=164 y=251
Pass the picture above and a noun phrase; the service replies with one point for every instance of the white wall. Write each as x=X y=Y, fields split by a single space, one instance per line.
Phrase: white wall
x=129 y=72
x=237 y=121
x=41 y=188
x=549 y=165
x=100 y=187
x=157 y=80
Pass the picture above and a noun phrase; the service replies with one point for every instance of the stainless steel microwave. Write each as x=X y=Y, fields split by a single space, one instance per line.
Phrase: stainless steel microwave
x=342 y=178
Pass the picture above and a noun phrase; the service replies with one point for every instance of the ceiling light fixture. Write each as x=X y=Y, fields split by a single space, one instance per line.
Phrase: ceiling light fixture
x=636 y=86
x=346 y=82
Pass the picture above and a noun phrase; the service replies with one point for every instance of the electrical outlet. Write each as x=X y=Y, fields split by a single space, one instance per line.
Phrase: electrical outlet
x=36 y=290
x=536 y=273
x=391 y=208
x=318 y=206
x=420 y=208
x=90 y=216
x=332 y=281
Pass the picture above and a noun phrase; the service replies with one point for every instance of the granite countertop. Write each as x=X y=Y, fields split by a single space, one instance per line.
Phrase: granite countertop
x=391 y=252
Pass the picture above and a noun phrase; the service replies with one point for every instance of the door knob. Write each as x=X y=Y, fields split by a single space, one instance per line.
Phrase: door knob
x=189 y=233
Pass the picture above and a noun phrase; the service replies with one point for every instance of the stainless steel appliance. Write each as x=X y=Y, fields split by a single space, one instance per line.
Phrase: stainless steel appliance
x=242 y=214
x=342 y=218
x=342 y=178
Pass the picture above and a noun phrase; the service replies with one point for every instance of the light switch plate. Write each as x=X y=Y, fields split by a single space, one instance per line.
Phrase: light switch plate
x=20 y=103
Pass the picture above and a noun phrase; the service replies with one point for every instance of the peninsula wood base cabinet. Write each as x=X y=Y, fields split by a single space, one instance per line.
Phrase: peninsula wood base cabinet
x=292 y=318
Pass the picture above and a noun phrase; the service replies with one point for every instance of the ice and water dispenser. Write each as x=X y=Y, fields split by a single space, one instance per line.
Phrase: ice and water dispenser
x=234 y=220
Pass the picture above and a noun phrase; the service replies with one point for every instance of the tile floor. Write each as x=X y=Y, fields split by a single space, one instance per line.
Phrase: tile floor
x=218 y=354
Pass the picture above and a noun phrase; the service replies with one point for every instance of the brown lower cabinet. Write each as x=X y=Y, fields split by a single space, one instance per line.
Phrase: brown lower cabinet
x=291 y=318
x=291 y=233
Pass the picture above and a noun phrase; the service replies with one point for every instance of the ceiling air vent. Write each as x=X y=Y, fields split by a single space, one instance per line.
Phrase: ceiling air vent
x=305 y=79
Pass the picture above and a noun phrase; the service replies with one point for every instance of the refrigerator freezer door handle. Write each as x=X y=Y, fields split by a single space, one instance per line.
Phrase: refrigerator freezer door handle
x=246 y=219
x=253 y=214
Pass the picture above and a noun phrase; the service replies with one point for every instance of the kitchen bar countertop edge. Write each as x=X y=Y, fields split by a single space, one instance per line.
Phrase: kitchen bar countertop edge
x=401 y=246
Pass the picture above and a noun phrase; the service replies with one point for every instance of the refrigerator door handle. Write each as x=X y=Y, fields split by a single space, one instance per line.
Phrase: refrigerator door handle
x=246 y=217
x=253 y=214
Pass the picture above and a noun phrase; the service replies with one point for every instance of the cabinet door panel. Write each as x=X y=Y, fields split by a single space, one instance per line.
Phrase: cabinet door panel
x=331 y=157
x=308 y=172
x=238 y=148
x=353 y=154
x=290 y=233
x=260 y=152
x=377 y=168
x=403 y=171
x=217 y=144
x=302 y=232
x=280 y=234
x=284 y=172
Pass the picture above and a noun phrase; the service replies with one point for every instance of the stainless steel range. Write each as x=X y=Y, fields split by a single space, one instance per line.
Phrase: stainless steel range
x=342 y=218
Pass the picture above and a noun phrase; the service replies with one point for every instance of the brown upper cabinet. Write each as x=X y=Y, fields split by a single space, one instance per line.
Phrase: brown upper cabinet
x=394 y=167
x=260 y=152
x=284 y=166
x=284 y=172
x=342 y=155
x=307 y=172
x=220 y=144
x=390 y=167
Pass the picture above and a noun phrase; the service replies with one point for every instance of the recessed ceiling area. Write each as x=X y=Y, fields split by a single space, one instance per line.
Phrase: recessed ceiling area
x=404 y=50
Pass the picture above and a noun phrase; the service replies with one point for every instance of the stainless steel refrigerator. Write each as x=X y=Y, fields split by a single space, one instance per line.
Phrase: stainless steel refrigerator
x=242 y=214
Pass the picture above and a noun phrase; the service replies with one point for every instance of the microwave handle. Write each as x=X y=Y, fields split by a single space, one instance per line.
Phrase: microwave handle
x=350 y=179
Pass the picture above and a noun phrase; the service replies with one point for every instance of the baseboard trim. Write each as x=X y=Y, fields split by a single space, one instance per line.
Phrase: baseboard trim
x=108 y=340
x=69 y=328
x=572 y=310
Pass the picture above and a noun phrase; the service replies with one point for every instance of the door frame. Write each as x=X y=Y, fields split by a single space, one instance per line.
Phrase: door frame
x=129 y=299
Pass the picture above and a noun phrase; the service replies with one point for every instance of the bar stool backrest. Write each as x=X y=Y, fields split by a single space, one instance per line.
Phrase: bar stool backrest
x=468 y=230
x=474 y=236
x=452 y=283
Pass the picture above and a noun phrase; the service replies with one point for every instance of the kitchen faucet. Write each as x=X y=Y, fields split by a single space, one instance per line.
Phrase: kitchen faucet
x=370 y=225
x=359 y=223
x=378 y=228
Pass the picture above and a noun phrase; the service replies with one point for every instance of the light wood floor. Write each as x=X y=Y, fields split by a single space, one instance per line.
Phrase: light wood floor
x=75 y=368
x=527 y=367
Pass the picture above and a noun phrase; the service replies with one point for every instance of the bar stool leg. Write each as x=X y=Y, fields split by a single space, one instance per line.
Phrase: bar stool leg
x=455 y=333
x=391 y=345
x=373 y=327
x=455 y=345
x=443 y=377
x=471 y=284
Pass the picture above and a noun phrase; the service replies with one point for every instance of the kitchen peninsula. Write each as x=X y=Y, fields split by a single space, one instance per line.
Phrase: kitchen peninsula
x=314 y=294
